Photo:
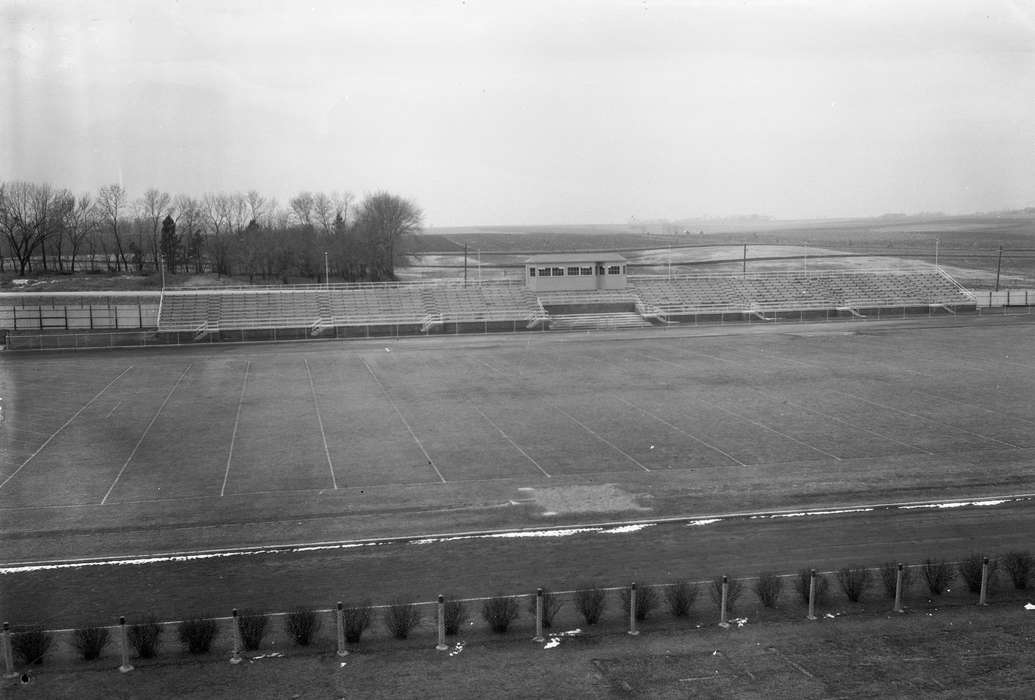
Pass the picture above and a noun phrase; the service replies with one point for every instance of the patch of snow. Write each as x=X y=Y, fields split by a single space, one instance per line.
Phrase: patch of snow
x=706 y=521
x=627 y=528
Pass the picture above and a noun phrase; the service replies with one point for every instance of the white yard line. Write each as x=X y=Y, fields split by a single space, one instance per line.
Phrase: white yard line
x=763 y=426
x=661 y=420
x=391 y=402
x=601 y=438
x=144 y=434
x=113 y=409
x=63 y=426
x=952 y=428
x=507 y=438
x=237 y=420
x=319 y=420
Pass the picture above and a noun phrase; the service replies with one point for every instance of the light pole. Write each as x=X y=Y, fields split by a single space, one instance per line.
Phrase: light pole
x=326 y=270
x=161 y=266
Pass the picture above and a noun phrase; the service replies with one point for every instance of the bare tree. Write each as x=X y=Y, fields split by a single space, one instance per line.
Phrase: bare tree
x=80 y=225
x=153 y=207
x=383 y=219
x=189 y=223
x=302 y=207
x=111 y=201
x=26 y=209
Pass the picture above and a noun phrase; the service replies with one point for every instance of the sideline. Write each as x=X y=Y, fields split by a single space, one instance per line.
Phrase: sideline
x=605 y=527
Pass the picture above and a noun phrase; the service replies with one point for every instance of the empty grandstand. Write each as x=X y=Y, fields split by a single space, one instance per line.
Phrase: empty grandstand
x=451 y=306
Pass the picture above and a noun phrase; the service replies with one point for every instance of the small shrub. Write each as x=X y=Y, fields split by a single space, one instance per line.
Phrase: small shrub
x=1018 y=567
x=802 y=583
x=31 y=645
x=356 y=619
x=551 y=604
x=197 y=634
x=889 y=578
x=454 y=616
x=499 y=612
x=591 y=602
x=680 y=598
x=145 y=638
x=768 y=588
x=401 y=618
x=970 y=571
x=302 y=624
x=646 y=600
x=938 y=575
x=854 y=582
x=253 y=627
x=733 y=590
x=90 y=641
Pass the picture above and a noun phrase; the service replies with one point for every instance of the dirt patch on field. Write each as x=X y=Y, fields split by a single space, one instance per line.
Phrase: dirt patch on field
x=604 y=498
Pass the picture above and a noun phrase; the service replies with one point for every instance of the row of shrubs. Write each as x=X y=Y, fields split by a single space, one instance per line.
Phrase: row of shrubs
x=400 y=618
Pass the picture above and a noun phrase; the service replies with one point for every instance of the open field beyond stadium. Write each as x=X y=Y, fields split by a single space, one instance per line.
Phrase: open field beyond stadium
x=163 y=451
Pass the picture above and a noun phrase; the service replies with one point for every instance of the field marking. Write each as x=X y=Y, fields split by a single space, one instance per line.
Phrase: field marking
x=63 y=426
x=680 y=430
x=906 y=370
x=579 y=423
x=113 y=409
x=507 y=438
x=391 y=402
x=928 y=420
x=319 y=420
x=601 y=438
x=763 y=426
x=144 y=434
x=237 y=420
x=775 y=515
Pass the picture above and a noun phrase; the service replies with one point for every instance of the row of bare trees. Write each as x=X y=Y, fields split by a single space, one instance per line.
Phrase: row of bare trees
x=44 y=229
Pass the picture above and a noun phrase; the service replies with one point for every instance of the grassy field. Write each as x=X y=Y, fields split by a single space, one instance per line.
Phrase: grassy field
x=230 y=422
x=229 y=446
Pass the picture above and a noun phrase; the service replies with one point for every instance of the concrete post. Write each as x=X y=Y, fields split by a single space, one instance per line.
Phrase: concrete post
x=441 y=646
x=632 y=610
x=538 y=616
x=8 y=655
x=898 y=589
x=235 y=657
x=812 y=595
x=984 y=582
x=339 y=616
x=722 y=607
x=126 y=667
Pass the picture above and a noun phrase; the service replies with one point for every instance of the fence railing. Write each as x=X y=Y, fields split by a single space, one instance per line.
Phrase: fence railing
x=426 y=621
x=1006 y=297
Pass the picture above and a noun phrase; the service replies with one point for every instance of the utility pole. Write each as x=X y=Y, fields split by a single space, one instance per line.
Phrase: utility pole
x=745 y=268
x=326 y=271
x=998 y=268
x=465 y=264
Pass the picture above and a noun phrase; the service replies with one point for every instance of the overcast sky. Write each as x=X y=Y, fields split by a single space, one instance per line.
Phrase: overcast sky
x=532 y=112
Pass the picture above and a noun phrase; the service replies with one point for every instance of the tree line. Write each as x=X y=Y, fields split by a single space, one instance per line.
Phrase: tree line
x=44 y=229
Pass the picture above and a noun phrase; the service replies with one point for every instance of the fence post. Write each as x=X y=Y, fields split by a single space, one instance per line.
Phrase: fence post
x=722 y=606
x=898 y=589
x=339 y=616
x=9 y=671
x=984 y=582
x=538 y=615
x=126 y=667
x=812 y=595
x=235 y=658
x=441 y=646
x=632 y=610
